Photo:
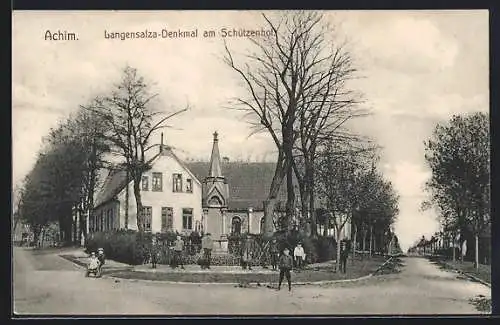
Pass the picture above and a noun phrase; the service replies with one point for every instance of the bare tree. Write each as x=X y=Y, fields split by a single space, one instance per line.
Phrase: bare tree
x=343 y=178
x=131 y=120
x=326 y=107
x=292 y=74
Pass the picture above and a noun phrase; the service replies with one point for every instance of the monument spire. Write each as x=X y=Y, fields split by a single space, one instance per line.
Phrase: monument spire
x=215 y=169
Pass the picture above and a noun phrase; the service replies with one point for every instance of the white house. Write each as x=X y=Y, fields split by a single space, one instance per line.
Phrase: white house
x=171 y=197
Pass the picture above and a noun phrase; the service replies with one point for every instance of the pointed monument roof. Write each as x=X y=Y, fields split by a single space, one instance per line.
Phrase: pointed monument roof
x=215 y=169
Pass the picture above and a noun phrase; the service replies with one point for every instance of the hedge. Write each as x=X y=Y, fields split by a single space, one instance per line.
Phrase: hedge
x=132 y=247
x=126 y=246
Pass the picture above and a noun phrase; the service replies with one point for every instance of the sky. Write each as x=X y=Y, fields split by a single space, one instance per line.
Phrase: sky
x=418 y=68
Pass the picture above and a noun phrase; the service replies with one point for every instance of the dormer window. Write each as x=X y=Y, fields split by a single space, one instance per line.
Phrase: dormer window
x=189 y=185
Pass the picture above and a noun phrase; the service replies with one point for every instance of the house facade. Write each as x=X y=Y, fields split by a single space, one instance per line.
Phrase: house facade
x=170 y=193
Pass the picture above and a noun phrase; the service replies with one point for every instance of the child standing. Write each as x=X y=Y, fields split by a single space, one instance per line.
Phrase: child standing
x=286 y=264
x=299 y=255
x=178 y=248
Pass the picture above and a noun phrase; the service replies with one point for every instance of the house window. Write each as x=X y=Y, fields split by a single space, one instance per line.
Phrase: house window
x=189 y=185
x=157 y=182
x=147 y=214
x=177 y=181
x=236 y=226
x=167 y=219
x=262 y=224
x=145 y=183
x=187 y=218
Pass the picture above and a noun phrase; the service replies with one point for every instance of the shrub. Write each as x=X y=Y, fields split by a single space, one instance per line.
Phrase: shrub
x=126 y=246
x=325 y=248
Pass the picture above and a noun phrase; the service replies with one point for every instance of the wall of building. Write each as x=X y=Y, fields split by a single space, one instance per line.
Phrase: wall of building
x=255 y=217
x=100 y=215
x=166 y=198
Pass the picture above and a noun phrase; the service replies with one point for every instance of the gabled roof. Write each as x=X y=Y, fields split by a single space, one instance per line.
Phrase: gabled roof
x=114 y=183
x=117 y=180
x=249 y=182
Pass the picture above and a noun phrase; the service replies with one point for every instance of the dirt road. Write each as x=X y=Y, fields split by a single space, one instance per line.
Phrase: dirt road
x=44 y=283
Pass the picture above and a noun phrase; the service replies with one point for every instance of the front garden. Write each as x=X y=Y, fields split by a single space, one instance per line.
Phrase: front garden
x=134 y=248
x=356 y=268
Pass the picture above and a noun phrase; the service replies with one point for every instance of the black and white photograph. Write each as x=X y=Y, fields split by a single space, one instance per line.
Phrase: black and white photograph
x=250 y=162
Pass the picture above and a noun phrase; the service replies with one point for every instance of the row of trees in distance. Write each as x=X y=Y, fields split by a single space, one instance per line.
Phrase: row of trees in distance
x=458 y=154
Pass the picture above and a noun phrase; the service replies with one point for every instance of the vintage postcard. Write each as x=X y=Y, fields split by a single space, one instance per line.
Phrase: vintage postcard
x=250 y=163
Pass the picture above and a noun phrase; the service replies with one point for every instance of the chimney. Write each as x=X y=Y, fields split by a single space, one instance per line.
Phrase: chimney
x=161 y=143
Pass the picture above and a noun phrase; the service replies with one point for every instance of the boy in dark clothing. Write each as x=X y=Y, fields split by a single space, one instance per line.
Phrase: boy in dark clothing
x=155 y=252
x=344 y=252
x=206 y=245
x=286 y=264
x=178 y=248
x=102 y=259
x=273 y=250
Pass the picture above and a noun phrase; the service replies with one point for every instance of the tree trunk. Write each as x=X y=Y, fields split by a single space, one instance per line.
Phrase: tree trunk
x=355 y=234
x=75 y=226
x=453 y=246
x=290 y=198
x=389 y=249
x=270 y=202
x=337 y=258
x=127 y=198
x=269 y=206
x=476 y=259
x=16 y=221
x=309 y=196
x=36 y=234
x=371 y=240
x=137 y=194
x=79 y=225
x=42 y=234
x=304 y=205
x=365 y=232
x=310 y=183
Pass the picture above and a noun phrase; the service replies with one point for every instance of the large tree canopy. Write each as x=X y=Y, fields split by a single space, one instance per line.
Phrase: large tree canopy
x=458 y=154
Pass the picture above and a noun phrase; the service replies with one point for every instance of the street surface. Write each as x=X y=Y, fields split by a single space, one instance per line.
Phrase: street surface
x=48 y=284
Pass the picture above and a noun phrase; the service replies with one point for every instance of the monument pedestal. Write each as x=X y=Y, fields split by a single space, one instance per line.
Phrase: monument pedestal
x=221 y=245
